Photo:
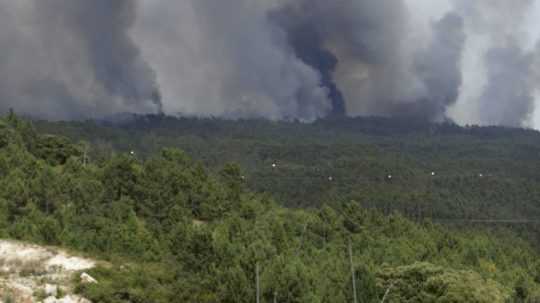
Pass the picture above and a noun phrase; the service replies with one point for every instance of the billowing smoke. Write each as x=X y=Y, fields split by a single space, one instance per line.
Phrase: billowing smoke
x=281 y=59
x=301 y=59
x=356 y=46
x=508 y=98
x=103 y=29
x=73 y=59
x=507 y=94
x=226 y=58
x=439 y=66
x=308 y=42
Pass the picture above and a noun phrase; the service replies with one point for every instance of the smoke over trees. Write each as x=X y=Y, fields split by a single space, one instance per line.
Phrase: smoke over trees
x=280 y=59
x=72 y=59
x=103 y=28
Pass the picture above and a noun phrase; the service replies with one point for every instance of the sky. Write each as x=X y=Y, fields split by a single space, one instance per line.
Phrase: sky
x=469 y=61
x=534 y=31
x=461 y=113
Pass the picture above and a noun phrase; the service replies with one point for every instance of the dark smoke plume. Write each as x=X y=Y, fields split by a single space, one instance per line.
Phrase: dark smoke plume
x=332 y=35
x=84 y=62
x=308 y=44
x=367 y=37
x=103 y=26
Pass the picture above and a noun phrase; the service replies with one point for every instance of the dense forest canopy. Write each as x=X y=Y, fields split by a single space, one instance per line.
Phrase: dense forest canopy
x=174 y=231
x=425 y=170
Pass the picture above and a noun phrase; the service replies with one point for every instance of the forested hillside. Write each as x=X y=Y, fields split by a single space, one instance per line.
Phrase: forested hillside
x=174 y=231
x=438 y=171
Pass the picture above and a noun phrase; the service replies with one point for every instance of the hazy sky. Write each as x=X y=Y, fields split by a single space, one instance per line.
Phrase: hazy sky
x=534 y=31
x=473 y=61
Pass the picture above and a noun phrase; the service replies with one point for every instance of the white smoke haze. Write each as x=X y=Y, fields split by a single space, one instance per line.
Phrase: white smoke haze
x=471 y=61
x=499 y=68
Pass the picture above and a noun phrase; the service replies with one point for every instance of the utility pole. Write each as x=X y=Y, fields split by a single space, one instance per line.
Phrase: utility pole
x=258 y=283
x=352 y=272
x=387 y=292
x=301 y=240
x=85 y=154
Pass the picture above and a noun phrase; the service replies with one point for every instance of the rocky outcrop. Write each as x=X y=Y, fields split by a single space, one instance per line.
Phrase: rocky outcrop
x=87 y=279
x=31 y=273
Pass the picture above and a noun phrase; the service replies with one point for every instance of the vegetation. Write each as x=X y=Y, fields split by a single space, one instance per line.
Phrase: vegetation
x=479 y=172
x=176 y=232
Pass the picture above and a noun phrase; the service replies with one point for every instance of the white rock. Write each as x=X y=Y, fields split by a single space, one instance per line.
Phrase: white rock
x=67 y=299
x=50 y=299
x=69 y=263
x=86 y=278
x=56 y=264
x=51 y=290
x=73 y=299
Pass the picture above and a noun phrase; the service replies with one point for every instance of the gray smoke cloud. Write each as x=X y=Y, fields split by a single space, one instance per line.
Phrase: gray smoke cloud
x=439 y=66
x=281 y=59
x=508 y=98
x=226 y=58
x=103 y=28
x=73 y=59
x=301 y=59
x=508 y=94
x=309 y=38
x=356 y=46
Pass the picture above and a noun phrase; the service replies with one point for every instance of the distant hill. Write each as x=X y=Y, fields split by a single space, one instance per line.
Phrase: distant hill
x=441 y=171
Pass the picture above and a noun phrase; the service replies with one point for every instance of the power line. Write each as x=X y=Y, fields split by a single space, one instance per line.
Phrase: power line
x=489 y=221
